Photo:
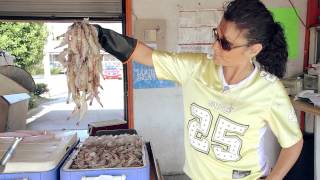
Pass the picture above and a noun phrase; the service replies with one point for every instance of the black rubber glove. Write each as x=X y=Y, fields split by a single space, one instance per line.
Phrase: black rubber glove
x=120 y=46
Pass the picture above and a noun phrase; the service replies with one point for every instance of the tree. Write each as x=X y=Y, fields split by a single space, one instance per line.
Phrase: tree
x=25 y=41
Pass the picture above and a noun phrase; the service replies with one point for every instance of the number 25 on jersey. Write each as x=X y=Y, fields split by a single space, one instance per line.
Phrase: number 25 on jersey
x=225 y=140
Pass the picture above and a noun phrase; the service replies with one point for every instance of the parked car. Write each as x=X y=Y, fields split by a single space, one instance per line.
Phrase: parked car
x=112 y=70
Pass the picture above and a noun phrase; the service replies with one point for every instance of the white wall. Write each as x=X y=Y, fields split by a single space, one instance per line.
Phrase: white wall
x=158 y=113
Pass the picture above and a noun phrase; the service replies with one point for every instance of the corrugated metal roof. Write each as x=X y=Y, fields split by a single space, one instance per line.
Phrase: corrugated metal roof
x=61 y=8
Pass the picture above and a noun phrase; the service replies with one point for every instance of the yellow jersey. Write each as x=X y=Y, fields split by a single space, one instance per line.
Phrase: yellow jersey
x=224 y=129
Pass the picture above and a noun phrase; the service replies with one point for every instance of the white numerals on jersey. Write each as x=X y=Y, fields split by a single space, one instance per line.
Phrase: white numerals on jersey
x=227 y=147
x=199 y=128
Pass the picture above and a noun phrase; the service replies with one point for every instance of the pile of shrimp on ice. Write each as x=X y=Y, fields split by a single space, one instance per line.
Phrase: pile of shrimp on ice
x=83 y=63
x=109 y=151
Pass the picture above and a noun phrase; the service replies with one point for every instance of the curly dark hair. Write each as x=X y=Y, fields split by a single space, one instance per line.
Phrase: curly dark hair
x=253 y=16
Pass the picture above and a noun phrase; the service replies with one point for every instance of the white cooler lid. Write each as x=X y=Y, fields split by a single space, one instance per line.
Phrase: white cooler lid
x=38 y=156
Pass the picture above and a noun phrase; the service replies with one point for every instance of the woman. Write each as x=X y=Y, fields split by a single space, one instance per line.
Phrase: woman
x=231 y=99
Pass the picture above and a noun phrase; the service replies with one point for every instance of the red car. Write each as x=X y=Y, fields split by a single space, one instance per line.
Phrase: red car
x=112 y=70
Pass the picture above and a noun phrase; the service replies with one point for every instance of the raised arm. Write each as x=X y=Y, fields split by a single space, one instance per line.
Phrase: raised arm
x=124 y=47
x=142 y=54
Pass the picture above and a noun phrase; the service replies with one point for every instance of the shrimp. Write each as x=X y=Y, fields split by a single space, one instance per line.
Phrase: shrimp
x=83 y=64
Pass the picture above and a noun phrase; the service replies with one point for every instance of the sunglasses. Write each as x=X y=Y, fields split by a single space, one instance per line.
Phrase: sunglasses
x=224 y=44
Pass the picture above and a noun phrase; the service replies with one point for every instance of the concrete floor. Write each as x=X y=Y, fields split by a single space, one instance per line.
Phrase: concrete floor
x=176 y=177
x=53 y=115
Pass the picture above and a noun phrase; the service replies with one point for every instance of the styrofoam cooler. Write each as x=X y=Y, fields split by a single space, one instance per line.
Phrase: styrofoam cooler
x=38 y=160
x=130 y=173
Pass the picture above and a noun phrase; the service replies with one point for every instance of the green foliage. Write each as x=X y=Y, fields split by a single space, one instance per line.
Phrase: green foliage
x=33 y=101
x=25 y=41
x=56 y=70
x=40 y=89
x=38 y=69
x=35 y=97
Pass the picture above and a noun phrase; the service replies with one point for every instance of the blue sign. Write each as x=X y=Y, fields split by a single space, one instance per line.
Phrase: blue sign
x=145 y=77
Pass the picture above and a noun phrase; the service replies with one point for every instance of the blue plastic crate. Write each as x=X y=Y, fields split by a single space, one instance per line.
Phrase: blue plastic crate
x=48 y=175
x=131 y=173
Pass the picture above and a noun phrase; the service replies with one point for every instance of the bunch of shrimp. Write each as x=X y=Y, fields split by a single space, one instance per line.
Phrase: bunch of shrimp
x=83 y=63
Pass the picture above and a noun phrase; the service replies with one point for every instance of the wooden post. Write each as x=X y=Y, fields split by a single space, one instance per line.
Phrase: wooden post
x=128 y=25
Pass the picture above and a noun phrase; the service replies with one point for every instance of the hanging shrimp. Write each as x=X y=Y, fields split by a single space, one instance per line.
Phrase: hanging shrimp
x=83 y=62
